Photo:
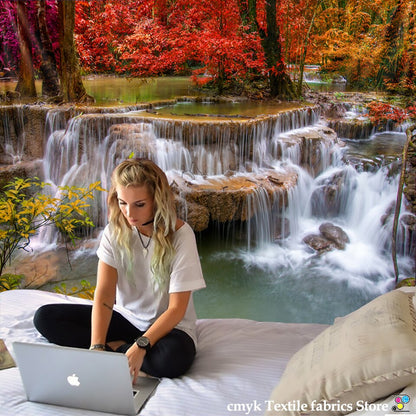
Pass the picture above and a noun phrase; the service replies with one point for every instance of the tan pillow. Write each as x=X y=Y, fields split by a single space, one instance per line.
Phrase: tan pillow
x=369 y=354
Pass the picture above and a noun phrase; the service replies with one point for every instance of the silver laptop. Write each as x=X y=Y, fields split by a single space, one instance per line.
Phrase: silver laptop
x=73 y=377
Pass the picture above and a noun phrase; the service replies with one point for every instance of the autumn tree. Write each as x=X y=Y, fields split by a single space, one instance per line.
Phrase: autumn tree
x=280 y=83
x=32 y=30
x=163 y=37
x=268 y=29
x=297 y=22
x=370 y=43
x=100 y=27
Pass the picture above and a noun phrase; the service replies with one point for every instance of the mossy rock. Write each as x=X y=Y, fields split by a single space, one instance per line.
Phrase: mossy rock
x=410 y=281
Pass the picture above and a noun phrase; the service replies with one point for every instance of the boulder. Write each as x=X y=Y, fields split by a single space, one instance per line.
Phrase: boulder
x=196 y=215
x=319 y=243
x=409 y=221
x=352 y=129
x=326 y=199
x=331 y=237
x=334 y=234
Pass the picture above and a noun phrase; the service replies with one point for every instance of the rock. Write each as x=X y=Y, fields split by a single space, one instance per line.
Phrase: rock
x=20 y=170
x=331 y=237
x=389 y=212
x=232 y=198
x=281 y=229
x=327 y=198
x=311 y=141
x=196 y=215
x=409 y=221
x=336 y=110
x=352 y=129
x=318 y=243
x=334 y=234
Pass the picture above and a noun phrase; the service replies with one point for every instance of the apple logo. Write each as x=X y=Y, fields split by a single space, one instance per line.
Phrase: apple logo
x=73 y=380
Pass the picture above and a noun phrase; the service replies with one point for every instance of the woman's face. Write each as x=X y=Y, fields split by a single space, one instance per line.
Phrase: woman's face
x=136 y=203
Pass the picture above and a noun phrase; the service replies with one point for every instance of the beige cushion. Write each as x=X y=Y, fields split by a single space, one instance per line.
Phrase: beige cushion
x=369 y=354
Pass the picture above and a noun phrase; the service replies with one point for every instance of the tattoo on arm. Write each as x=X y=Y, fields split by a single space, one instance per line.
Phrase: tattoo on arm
x=108 y=306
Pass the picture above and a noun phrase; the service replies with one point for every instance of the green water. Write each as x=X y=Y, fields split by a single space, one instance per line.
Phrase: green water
x=254 y=286
x=117 y=91
x=121 y=91
x=113 y=91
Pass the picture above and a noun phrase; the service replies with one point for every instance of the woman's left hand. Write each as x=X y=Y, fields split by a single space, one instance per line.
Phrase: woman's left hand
x=135 y=356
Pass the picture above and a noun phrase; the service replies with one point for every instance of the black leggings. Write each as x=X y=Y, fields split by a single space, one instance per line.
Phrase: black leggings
x=70 y=325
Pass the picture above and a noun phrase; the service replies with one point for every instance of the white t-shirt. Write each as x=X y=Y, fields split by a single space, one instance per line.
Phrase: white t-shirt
x=137 y=298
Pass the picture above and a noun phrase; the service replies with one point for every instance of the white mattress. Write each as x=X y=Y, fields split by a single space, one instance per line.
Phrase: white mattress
x=238 y=361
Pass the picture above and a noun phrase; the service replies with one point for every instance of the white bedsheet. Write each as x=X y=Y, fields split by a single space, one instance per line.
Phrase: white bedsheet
x=238 y=361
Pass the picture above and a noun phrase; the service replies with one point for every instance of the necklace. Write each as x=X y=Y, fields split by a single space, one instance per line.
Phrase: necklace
x=145 y=246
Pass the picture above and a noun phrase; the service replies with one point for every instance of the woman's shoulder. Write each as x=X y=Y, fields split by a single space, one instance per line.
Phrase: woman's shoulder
x=183 y=231
x=183 y=227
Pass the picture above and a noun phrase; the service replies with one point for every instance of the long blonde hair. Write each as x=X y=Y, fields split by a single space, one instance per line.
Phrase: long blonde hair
x=143 y=172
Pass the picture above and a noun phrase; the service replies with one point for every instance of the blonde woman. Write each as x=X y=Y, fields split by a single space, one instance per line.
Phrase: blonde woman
x=148 y=268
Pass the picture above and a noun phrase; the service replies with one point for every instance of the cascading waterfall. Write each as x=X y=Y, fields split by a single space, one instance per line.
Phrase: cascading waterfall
x=361 y=203
x=328 y=188
x=257 y=265
x=91 y=146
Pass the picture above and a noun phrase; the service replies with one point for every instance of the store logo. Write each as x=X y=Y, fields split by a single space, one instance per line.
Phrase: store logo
x=400 y=403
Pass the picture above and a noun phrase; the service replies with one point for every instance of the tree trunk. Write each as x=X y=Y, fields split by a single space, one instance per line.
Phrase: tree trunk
x=280 y=83
x=48 y=67
x=26 y=77
x=71 y=82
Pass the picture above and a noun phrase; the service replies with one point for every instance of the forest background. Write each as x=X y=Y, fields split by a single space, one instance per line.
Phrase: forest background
x=236 y=46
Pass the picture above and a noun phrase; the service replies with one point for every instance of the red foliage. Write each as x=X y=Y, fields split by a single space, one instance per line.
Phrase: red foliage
x=99 y=25
x=160 y=37
x=382 y=112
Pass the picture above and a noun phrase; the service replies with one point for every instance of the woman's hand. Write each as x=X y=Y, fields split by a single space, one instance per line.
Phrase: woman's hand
x=135 y=356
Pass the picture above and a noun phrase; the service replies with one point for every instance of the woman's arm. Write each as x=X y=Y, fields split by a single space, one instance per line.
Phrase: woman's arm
x=104 y=298
x=178 y=303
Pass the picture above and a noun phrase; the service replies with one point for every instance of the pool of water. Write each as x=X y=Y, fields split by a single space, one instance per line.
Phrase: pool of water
x=223 y=109
x=121 y=91
x=115 y=90
x=266 y=285
x=271 y=283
